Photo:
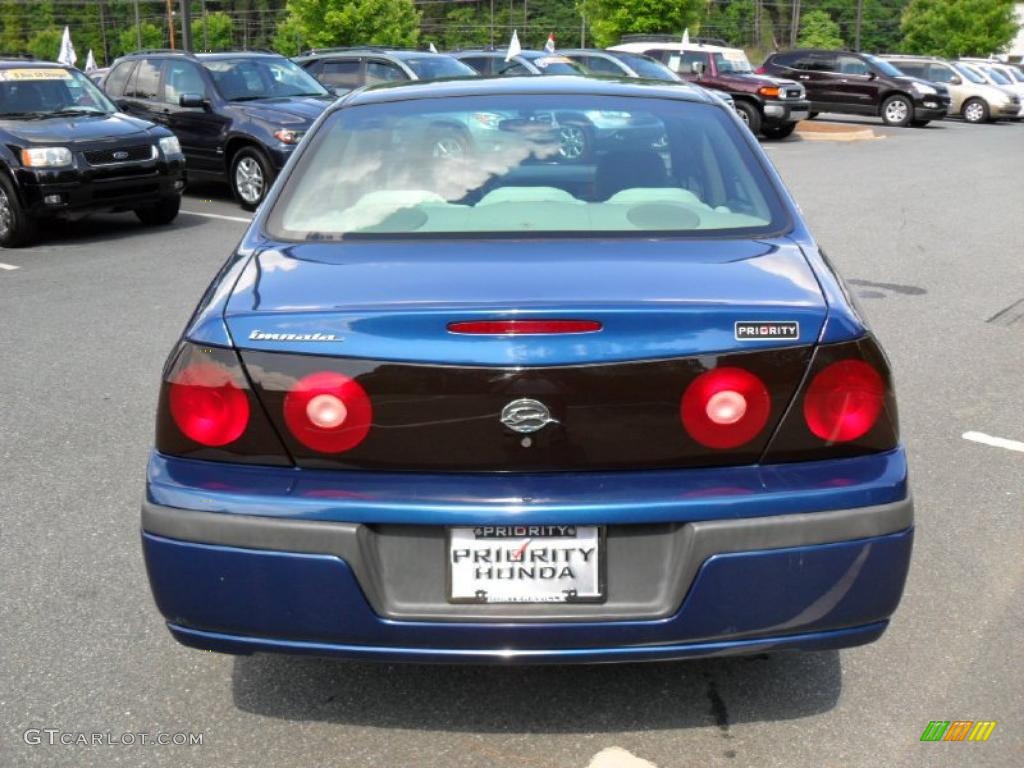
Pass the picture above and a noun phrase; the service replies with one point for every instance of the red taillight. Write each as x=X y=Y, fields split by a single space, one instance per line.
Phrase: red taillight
x=844 y=401
x=725 y=408
x=328 y=412
x=760 y=70
x=207 y=404
x=523 y=327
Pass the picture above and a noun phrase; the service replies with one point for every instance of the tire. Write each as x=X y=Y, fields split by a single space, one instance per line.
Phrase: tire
x=17 y=228
x=778 y=131
x=750 y=115
x=897 y=111
x=574 y=142
x=161 y=213
x=975 y=111
x=812 y=115
x=250 y=178
x=448 y=144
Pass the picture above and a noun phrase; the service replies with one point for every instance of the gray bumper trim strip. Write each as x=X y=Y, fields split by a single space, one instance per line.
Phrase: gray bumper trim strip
x=363 y=549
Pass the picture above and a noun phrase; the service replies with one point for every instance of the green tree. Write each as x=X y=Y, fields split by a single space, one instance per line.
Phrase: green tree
x=733 y=21
x=12 y=22
x=45 y=45
x=610 y=19
x=213 y=32
x=152 y=37
x=355 y=22
x=958 y=27
x=817 y=30
x=289 y=39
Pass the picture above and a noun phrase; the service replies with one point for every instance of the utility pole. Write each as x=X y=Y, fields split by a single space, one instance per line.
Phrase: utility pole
x=757 y=24
x=186 y=25
x=583 y=29
x=856 y=28
x=138 y=28
x=794 y=26
x=206 y=39
x=170 y=21
x=492 y=23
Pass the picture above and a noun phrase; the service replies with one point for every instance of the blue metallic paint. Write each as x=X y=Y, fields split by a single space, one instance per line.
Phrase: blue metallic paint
x=557 y=497
x=302 y=598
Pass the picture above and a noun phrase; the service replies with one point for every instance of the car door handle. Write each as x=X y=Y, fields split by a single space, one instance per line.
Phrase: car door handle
x=805 y=77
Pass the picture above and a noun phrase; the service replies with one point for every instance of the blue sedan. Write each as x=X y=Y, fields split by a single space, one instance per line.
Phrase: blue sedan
x=497 y=406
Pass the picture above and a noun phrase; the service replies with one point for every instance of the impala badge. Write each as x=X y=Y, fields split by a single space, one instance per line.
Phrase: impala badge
x=526 y=415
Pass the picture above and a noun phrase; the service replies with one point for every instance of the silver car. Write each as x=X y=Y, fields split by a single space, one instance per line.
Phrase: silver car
x=971 y=95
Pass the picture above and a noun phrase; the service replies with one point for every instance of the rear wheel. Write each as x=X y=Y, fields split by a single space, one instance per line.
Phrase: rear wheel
x=897 y=111
x=251 y=176
x=573 y=142
x=778 y=131
x=750 y=115
x=163 y=212
x=975 y=111
x=17 y=228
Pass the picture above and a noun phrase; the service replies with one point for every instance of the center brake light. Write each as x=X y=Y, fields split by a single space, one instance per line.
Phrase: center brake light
x=523 y=327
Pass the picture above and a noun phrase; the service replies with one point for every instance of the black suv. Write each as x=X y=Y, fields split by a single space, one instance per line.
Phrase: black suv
x=345 y=69
x=860 y=84
x=238 y=115
x=66 y=152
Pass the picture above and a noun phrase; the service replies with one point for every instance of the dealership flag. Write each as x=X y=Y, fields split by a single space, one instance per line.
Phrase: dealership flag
x=67 y=55
x=549 y=46
x=433 y=48
x=686 y=36
x=514 y=48
x=90 y=62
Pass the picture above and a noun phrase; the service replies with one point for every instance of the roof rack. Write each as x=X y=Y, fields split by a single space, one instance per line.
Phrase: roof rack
x=20 y=55
x=147 y=51
x=374 y=48
x=663 y=38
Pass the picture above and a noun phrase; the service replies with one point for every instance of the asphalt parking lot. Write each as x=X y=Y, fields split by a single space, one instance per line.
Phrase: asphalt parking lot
x=926 y=226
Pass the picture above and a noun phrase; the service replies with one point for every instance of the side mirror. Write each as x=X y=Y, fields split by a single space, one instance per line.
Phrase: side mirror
x=956 y=80
x=697 y=67
x=193 y=100
x=872 y=74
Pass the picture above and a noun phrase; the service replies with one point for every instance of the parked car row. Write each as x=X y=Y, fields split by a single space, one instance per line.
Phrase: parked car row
x=238 y=116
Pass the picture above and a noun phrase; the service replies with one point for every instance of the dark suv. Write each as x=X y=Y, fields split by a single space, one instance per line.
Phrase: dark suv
x=345 y=69
x=66 y=152
x=860 y=84
x=237 y=115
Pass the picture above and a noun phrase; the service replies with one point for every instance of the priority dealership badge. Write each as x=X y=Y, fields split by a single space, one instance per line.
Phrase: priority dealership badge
x=765 y=330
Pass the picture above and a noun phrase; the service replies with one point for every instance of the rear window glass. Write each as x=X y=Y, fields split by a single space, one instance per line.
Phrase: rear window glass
x=520 y=164
x=435 y=67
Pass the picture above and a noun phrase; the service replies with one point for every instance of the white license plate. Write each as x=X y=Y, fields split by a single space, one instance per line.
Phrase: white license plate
x=526 y=564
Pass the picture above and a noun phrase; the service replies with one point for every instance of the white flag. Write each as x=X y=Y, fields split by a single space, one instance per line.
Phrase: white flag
x=67 y=55
x=514 y=48
x=433 y=48
x=90 y=62
x=549 y=46
x=686 y=36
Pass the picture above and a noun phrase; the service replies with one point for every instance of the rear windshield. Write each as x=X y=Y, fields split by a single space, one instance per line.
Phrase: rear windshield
x=436 y=67
x=37 y=92
x=557 y=65
x=518 y=164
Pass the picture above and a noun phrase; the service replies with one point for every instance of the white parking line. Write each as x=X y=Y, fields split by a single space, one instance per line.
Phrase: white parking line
x=996 y=442
x=219 y=216
x=8 y=266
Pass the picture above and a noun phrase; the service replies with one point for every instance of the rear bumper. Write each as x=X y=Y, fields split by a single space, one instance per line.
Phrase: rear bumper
x=726 y=585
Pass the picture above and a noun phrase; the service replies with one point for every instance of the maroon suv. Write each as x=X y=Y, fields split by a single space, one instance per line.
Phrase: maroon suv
x=769 y=105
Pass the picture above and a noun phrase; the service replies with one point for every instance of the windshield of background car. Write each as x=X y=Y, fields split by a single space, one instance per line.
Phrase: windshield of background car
x=436 y=67
x=996 y=75
x=40 y=91
x=733 y=62
x=527 y=164
x=883 y=66
x=970 y=74
x=649 y=68
x=557 y=65
x=246 y=79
